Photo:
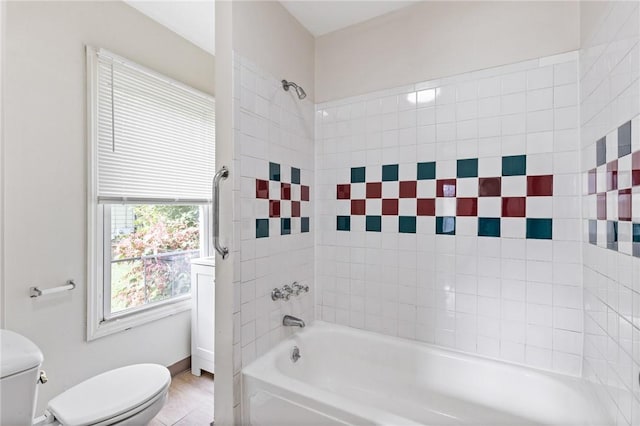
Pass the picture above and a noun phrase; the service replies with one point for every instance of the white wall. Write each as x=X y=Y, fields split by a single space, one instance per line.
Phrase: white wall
x=436 y=39
x=45 y=178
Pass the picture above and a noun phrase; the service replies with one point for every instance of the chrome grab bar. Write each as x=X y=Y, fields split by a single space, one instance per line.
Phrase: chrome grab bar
x=223 y=173
x=37 y=292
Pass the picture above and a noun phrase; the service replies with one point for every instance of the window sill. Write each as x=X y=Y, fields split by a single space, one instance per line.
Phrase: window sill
x=119 y=324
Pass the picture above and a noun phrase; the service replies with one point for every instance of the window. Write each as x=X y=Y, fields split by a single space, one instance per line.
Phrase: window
x=151 y=155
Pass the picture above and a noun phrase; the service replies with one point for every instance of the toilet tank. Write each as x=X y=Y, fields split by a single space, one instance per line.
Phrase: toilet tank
x=20 y=361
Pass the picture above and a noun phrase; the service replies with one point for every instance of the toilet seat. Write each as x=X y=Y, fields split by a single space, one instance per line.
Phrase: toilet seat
x=112 y=396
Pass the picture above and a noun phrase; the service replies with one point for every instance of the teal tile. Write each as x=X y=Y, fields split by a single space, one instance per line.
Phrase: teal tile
x=343 y=223
x=467 y=168
x=446 y=225
x=374 y=223
x=427 y=170
x=285 y=226
x=357 y=174
x=262 y=228
x=304 y=224
x=274 y=171
x=515 y=165
x=636 y=233
x=488 y=226
x=539 y=229
x=295 y=175
x=407 y=224
x=389 y=172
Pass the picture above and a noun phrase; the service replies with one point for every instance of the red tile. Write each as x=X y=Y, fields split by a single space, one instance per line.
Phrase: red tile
x=612 y=175
x=274 y=208
x=446 y=188
x=285 y=191
x=514 y=206
x=374 y=190
x=390 y=207
x=295 y=209
x=540 y=186
x=624 y=204
x=304 y=193
x=358 y=207
x=408 y=189
x=426 y=207
x=635 y=167
x=592 y=179
x=490 y=187
x=262 y=189
x=602 y=206
x=344 y=192
x=467 y=207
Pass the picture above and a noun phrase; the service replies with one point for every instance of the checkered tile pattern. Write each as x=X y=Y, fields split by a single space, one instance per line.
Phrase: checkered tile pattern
x=287 y=200
x=613 y=193
x=488 y=200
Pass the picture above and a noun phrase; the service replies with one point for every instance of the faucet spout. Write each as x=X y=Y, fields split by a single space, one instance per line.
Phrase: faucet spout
x=290 y=321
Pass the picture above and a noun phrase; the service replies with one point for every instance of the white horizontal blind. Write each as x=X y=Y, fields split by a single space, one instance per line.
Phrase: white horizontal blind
x=155 y=136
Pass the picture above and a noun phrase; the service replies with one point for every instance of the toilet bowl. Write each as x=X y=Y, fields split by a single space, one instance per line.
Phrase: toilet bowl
x=130 y=395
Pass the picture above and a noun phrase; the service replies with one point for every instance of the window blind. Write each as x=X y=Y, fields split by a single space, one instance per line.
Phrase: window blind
x=155 y=136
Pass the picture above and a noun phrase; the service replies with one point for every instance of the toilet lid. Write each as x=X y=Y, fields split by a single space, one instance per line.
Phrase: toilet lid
x=110 y=394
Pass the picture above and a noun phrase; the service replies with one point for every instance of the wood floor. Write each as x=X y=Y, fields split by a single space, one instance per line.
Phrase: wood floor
x=190 y=402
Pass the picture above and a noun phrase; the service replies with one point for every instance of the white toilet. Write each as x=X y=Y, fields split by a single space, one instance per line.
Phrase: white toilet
x=130 y=395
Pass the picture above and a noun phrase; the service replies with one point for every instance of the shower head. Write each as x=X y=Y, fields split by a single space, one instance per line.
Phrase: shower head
x=299 y=90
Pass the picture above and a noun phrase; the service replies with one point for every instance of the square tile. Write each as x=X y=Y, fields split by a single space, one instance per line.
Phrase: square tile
x=390 y=207
x=274 y=171
x=488 y=227
x=374 y=223
x=514 y=206
x=427 y=170
x=274 y=208
x=304 y=193
x=343 y=191
x=601 y=209
x=374 y=190
x=446 y=188
x=285 y=226
x=304 y=224
x=635 y=169
x=426 y=207
x=467 y=168
x=601 y=151
x=358 y=207
x=624 y=204
x=593 y=232
x=407 y=224
x=624 y=139
x=592 y=179
x=539 y=229
x=285 y=191
x=408 y=189
x=612 y=235
x=262 y=189
x=489 y=187
x=466 y=207
x=635 y=233
x=445 y=225
x=295 y=209
x=295 y=175
x=343 y=223
x=540 y=186
x=389 y=172
x=514 y=165
x=612 y=175
x=262 y=228
x=357 y=174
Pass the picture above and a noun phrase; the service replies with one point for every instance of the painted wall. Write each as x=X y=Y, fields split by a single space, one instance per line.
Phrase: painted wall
x=438 y=39
x=449 y=213
x=45 y=178
x=610 y=138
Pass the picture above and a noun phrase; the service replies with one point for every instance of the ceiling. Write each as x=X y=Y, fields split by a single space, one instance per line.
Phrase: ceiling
x=322 y=17
x=195 y=20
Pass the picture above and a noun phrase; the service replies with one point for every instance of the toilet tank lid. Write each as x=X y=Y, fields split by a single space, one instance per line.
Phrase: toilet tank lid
x=110 y=394
x=17 y=354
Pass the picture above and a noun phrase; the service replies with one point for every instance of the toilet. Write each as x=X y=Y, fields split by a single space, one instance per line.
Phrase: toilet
x=130 y=395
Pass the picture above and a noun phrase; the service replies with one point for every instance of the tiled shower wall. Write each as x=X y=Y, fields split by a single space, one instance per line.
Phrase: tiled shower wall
x=610 y=134
x=449 y=212
x=274 y=154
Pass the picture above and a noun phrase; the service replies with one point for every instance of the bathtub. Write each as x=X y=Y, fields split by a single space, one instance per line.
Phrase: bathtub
x=352 y=377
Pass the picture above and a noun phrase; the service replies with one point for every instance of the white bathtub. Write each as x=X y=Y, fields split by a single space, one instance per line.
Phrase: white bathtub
x=349 y=376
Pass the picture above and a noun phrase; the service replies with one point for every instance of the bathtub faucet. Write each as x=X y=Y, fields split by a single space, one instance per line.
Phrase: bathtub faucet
x=289 y=321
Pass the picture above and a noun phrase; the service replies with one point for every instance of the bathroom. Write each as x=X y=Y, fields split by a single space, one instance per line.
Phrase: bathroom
x=430 y=212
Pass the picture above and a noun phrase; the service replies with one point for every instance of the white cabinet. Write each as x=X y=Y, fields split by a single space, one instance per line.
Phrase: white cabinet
x=202 y=314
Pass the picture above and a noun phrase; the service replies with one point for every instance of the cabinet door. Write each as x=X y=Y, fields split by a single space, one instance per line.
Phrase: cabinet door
x=205 y=318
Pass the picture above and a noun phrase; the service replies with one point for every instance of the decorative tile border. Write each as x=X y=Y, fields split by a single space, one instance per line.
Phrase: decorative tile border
x=612 y=191
x=513 y=194
x=285 y=203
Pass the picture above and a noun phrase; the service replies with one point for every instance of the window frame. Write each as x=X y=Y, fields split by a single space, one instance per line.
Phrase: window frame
x=98 y=246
